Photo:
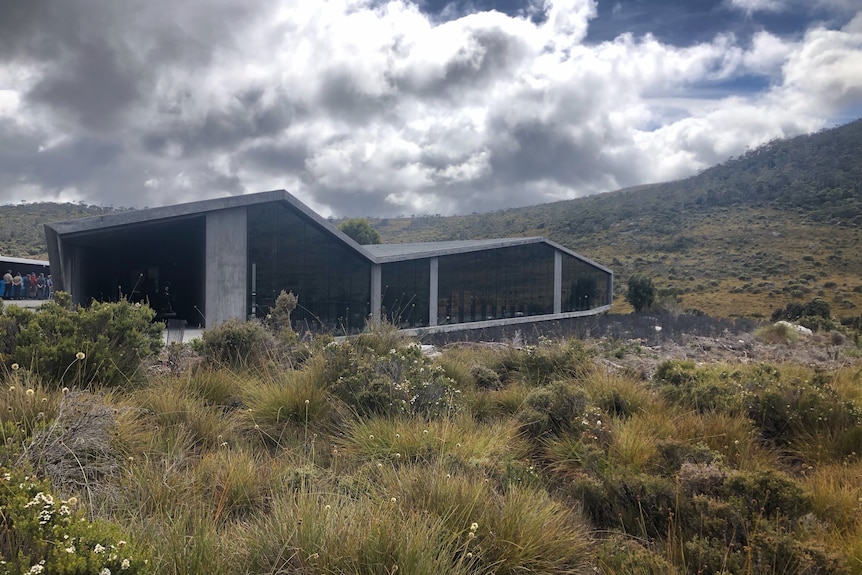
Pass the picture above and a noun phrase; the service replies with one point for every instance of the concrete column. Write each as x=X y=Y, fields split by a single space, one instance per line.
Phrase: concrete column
x=226 y=266
x=610 y=294
x=74 y=272
x=376 y=291
x=558 y=282
x=433 y=292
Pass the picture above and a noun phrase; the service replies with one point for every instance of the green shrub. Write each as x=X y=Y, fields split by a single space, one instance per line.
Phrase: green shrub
x=399 y=380
x=540 y=364
x=637 y=504
x=681 y=383
x=814 y=315
x=618 y=555
x=41 y=533
x=779 y=332
x=640 y=293
x=485 y=377
x=553 y=409
x=278 y=319
x=236 y=343
x=102 y=345
x=769 y=493
x=797 y=413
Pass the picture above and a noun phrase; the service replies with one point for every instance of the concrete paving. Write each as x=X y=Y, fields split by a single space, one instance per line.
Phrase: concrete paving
x=29 y=303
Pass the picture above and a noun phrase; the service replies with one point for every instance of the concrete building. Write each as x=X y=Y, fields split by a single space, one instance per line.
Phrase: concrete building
x=209 y=261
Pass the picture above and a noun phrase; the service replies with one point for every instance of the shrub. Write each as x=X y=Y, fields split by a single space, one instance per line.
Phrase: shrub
x=622 y=555
x=769 y=493
x=553 y=409
x=816 y=308
x=400 y=380
x=43 y=533
x=279 y=317
x=236 y=343
x=104 y=344
x=485 y=377
x=679 y=382
x=807 y=416
x=540 y=364
x=779 y=332
x=641 y=292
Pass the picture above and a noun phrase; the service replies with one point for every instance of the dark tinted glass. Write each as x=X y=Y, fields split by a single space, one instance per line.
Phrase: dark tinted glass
x=584 y=286
x=406 y=292
x=287 y=252
x=496 y=284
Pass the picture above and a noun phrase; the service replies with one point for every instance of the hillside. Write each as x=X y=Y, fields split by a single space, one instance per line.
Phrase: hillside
x=21 y=231
x=740 y=239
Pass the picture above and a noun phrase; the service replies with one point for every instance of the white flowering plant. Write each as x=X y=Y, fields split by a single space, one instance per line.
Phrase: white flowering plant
x=400 y=380
x=42 y=533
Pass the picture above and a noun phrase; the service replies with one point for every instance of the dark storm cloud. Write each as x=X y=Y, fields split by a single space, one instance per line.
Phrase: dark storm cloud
x=249 y=115
x=78 y=160
x=275 y=158
x=99 y=57
x=16 y=160
x=537 y=151
x=341 y=95
x=72 y=87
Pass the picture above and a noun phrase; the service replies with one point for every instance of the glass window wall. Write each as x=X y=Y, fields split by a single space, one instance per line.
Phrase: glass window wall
x=406 y=292
x=584 y=286
x=496 y=284
x=288 y=252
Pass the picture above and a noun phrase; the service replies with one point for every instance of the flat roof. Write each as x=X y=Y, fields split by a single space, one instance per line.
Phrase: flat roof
x=23 y=261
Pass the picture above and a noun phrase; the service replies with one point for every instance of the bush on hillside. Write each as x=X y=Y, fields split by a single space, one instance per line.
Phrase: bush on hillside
x=102 y=345
x=641 y=293
x=816 y=315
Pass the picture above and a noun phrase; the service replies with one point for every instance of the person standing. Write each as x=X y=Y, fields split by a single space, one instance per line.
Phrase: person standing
x=7 y=285
x=40 y=286
x=17 y=285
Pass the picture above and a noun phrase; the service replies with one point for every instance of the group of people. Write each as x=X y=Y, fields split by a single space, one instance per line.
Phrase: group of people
x=28 y=286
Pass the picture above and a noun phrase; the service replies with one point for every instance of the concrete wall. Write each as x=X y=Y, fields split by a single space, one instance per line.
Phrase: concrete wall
x=226 y=265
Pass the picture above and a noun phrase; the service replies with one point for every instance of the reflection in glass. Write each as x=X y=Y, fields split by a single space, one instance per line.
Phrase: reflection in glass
x=406 y=292
x=496 y=284
x=288 y=252
x=584 y=286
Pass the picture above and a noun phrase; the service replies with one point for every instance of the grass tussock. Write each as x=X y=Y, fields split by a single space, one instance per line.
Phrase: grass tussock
x=370 y=457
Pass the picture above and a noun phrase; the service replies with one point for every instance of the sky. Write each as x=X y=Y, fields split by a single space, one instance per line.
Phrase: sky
x=376 y=108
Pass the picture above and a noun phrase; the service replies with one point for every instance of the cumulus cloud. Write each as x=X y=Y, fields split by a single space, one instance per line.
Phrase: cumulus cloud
x=363 y=107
